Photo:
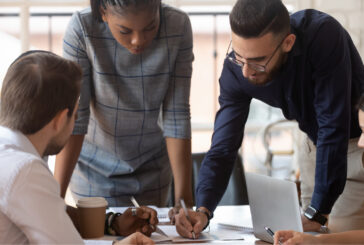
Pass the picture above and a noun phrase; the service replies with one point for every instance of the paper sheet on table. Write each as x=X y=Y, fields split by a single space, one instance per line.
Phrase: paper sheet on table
x=98 y=242
x=243 y=229
x=173 y=236
x=162 y=212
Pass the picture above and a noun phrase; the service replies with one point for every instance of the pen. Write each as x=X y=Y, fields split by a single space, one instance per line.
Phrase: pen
x=271 y=233
x=157 y=229
x=188 y=218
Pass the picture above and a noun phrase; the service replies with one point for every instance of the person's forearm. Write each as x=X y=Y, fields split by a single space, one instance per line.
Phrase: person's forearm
x=66 y=161
x=179 y=152
x=348 y=237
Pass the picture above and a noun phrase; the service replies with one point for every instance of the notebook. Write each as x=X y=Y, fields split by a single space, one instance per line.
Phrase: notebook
x=273 y=203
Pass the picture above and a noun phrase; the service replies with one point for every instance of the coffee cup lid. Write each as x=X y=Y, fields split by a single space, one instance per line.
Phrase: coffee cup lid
x=91 y=202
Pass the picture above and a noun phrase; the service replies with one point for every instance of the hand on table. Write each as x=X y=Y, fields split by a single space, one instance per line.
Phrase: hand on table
x=197 y=221
x=136 y=238
x=294 y=238
x=144 y=221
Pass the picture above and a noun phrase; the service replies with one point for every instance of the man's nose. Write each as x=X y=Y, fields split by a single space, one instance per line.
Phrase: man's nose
x=247 y=70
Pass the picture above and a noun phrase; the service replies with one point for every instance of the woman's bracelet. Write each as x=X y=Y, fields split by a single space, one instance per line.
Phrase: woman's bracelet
x=109 y=219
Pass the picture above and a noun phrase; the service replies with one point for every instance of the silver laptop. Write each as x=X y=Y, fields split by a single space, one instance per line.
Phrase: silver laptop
x=273 y=203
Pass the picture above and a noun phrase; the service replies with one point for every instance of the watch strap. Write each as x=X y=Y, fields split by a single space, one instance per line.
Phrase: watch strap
x=207 y=215
x=312 y=214
x=320 y=218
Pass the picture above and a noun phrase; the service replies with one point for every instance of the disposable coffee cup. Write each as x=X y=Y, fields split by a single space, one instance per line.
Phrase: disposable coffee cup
x=92 y=216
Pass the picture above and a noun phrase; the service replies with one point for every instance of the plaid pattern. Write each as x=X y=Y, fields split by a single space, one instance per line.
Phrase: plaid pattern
x=128 y=104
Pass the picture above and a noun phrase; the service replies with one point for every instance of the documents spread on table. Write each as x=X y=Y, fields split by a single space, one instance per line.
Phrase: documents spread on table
x=224 y=232
x=98 y=242
x=174 y=237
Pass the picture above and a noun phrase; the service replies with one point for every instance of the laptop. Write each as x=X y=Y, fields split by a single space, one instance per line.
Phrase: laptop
x=273 y=203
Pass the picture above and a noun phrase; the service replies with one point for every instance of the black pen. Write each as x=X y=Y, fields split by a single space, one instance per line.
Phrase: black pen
x=271 y=233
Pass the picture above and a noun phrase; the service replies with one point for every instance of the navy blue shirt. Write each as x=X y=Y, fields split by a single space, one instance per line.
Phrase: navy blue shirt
x=318 y=85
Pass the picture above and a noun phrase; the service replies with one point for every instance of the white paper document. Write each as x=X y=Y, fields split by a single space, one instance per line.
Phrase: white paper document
x=244 y=229
x=217 y=232
x=174 y=237
x=98 y=242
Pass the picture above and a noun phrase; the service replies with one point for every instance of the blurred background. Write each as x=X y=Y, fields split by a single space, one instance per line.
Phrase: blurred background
x=40 y=24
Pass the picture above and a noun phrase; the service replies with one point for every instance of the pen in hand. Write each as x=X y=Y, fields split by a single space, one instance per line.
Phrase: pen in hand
x=157 y=229
x=271 y=233
x=188 y=218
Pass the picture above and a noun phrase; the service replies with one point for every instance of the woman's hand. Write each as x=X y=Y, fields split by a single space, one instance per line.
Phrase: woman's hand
x=294 y=238
x=136 y=238
x=143 y=220
x=173 y=212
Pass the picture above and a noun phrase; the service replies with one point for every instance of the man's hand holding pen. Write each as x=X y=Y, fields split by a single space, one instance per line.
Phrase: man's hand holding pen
x=196 y=223
x=141 y=219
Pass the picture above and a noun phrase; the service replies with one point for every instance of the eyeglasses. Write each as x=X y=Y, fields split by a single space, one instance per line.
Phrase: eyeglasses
x=255 y=67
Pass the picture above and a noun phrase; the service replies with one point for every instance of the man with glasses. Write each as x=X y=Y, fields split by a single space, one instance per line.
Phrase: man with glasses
x=307 y=65
x=237 y=60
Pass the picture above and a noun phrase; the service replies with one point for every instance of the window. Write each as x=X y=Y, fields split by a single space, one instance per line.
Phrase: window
x=40 y=24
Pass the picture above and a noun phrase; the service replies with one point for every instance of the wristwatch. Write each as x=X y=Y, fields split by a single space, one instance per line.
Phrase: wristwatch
x=312 y=214
x=208 y=214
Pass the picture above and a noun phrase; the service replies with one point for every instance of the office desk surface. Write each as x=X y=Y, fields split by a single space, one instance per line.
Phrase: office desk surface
x=234 y=215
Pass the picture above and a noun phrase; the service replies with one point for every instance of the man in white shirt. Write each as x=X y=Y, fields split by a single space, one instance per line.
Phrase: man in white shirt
x=39 y=101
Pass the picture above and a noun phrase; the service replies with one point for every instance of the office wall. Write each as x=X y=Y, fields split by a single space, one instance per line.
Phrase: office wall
x=350 y=13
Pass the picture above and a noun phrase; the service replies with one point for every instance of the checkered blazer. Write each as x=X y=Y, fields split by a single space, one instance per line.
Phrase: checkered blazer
x=129 y=104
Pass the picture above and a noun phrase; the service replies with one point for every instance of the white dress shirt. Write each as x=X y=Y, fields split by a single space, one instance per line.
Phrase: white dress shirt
x=31 y=209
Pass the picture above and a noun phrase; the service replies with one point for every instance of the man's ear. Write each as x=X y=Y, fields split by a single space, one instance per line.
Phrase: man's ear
x=60 y=120
x=288 y=43
x=103 y=13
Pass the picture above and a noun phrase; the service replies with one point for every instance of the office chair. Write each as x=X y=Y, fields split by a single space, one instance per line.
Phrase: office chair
x=269 y=151
x=236 y=192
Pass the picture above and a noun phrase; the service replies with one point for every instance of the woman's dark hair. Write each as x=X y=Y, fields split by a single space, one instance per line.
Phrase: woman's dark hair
x=360 y=104
x=255 y=18
x=122 y=6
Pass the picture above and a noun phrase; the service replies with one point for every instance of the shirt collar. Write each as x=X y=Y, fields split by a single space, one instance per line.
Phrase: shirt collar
x=297 y=47
x=13 y=137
